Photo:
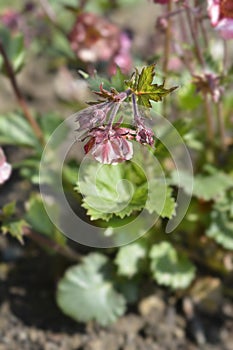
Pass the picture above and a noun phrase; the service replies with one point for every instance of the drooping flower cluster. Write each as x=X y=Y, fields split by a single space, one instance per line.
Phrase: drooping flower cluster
x=5 y=168
x=221 y=16
x=95 y=39
x=109 y=141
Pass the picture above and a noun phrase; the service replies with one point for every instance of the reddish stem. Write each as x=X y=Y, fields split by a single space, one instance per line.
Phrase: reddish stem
x=21 y=101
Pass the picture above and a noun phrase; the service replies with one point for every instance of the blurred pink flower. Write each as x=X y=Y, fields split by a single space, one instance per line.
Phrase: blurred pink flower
x=10 y=19
x=123 y=58
x=93 y=38
x=163 y=2
x=110 y=146
x=5 y=168
x=221 y=16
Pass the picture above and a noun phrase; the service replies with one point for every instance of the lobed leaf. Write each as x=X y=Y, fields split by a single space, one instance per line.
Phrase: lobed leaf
x=86 y=292
x=142 y=85
x=170 y=268
x=129 y=257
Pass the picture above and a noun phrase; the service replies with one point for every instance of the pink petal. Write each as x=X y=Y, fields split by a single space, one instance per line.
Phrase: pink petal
x=214 y=11
x=225 y=26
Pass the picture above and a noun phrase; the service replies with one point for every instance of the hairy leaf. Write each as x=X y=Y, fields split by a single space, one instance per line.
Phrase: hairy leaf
x=169 y=268
x=86 y=292
x=111 y=190
x=129 y=257
x=221 y=226
x=206 y=187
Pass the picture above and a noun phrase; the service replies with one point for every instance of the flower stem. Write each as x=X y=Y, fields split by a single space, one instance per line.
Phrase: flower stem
x=46 y=242
x=221 y=126
x=113 y=114
x=135 y=106
x=21 y=101
x=167 y=46
x=209 y=120
x=195 y=38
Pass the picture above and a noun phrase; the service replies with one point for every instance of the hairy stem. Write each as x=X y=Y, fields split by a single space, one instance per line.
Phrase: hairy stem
x=66 y=251
x=209 y=120
x=221 y=125
x=21 y=101
x=195 y=38
x=167 y=47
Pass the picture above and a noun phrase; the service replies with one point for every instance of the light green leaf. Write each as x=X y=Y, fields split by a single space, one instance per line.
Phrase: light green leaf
x=206 y=187
x=142 y=85
x=160 y=199
x=112 y=190
x=10 y=225
x=169 y=268
x=86 y=292
x=15 y=130
x=221 y=226
x=14 y=228
x=130 y=257
x=8 y=210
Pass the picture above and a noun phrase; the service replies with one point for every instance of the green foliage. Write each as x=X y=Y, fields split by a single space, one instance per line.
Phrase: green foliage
x=121 y=190
x=142 y=85
x=130 y=257
x=86 y=292
x=38 y=219
x=11 y=225
x=14 y=47
x=15 y=130
x=170 y=268
x=107 y=192
x=117 y=81
x=160 y=199
x=188 y=98
x=205 y=187
x=221 y=225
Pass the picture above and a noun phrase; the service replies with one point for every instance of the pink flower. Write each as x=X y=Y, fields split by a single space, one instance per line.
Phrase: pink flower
x=10 y=19
x=110 y=146
x=221 y=16
x=123 y=58
x=145 y=136
x=5 y=168
x=93 y=38
x=163 y=2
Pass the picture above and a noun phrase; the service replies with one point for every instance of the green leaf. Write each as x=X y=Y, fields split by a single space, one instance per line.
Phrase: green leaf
x=10 y=225
x=8 y=210
x=142 y=85
x=160 y=199
x=169 y=268
x=14 y=47
x=15 y=130
x=112 y=190
x=86 y=292
x=221 y=226
x=130 y=257
x=117 y=81
x=206 y=187
x=14 y=228
x=38 y=219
